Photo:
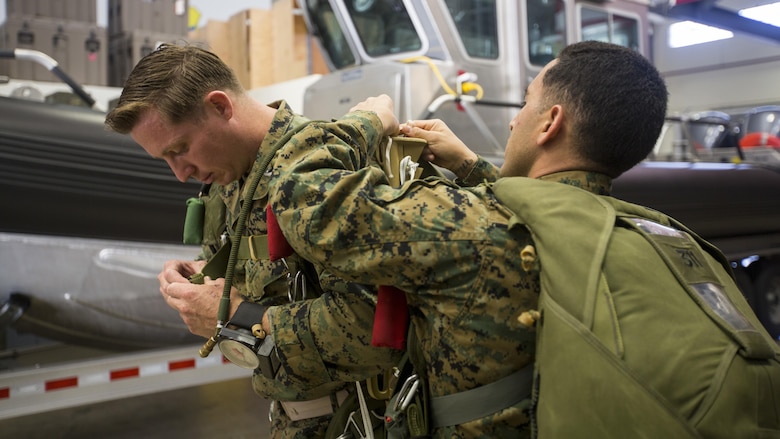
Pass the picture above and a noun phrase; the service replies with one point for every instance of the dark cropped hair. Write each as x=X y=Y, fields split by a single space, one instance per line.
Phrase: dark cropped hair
x=174 y=80
x=616 y=100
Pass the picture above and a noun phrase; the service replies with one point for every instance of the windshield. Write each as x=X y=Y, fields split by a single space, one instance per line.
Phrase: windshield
x=326 y=25
x=384 y=26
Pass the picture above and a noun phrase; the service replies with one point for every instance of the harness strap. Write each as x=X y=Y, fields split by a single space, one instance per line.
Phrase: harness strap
x=313 y=408
x=253 y=247
x=482 y=401
x=250 y=247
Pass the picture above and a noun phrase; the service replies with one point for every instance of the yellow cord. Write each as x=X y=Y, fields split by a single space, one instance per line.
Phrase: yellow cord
x=467 y=86
x=471 y=86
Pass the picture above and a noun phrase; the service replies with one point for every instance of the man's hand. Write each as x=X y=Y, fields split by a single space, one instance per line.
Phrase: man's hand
x=444 y=148
x=382 y=105
x=184 y=268
x=197 y=305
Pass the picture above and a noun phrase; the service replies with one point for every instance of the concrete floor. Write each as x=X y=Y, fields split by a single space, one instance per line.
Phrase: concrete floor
x=225 y=410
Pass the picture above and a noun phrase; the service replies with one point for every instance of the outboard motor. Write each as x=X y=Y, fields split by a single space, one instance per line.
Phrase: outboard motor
x=761 y=140
x=762 y=127
x=706 y=130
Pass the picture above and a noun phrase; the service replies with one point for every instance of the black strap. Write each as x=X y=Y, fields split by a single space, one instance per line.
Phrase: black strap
x=248 y=314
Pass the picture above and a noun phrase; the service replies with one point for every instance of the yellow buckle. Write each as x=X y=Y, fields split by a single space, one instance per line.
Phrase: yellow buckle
x=258 y=246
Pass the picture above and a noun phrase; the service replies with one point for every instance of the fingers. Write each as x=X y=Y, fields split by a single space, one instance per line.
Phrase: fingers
x=185 y=268
x=373 y=103
x=197 y=305
x=444 y=148
x=382 y=105
x=426 y=125
x=170 y=275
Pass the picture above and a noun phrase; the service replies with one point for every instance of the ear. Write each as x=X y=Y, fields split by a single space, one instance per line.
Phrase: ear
x=220 y=102
x=552 y=125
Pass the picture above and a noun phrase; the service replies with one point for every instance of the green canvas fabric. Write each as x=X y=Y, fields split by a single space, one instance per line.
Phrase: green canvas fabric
x=643 y=332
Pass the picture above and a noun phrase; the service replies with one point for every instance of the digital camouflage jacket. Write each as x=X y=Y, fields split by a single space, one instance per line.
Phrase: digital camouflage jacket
x=324 y=343
x=448 y=247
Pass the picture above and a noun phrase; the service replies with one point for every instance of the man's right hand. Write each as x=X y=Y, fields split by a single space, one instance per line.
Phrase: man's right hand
x=198 y=305
x=444 y=148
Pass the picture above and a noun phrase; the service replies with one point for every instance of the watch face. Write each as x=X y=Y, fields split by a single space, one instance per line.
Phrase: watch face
x=239 y=354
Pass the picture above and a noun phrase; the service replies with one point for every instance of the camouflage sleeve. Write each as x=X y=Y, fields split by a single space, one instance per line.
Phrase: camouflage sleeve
x=324 y=342
x=345 y=217
x=482 y=171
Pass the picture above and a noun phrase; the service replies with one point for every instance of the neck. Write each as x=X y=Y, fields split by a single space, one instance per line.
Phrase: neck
x=255 y=125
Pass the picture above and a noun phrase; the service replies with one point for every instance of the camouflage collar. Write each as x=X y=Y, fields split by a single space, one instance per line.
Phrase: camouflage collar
x=284 y=115
x=590 y=181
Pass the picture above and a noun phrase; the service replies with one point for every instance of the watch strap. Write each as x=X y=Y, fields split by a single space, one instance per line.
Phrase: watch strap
x=247 y=315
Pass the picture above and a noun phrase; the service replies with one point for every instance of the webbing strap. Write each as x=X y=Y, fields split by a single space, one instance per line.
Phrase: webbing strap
x=250 y=247
x=253 y=247
x=473 y=404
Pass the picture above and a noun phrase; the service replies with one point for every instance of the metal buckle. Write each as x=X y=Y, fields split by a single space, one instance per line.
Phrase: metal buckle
x=408 y=389
x=297 y=285
x=251 y=244
x=385 y=390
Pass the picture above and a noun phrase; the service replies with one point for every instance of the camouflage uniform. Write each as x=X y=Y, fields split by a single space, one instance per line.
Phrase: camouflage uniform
x=448 y=247
x=334 y=329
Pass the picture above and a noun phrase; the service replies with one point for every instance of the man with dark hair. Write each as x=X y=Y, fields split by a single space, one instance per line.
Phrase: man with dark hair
x=540 y=268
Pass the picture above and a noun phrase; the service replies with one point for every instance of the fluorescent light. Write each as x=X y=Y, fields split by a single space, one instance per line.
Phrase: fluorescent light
x=688 y=33
x=769 y=14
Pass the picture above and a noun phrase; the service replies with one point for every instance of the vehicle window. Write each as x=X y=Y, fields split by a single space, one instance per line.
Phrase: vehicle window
x=594 y=24
x=477 y=24
x=625 y=31
x=546 y=30
x=606 y=26
x=328 y=28
x=384 y=26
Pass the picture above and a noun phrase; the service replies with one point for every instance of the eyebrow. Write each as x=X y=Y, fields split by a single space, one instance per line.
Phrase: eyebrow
x=176 y=147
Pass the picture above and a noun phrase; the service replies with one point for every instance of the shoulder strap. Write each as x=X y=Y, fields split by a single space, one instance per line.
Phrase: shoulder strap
x=547 y=208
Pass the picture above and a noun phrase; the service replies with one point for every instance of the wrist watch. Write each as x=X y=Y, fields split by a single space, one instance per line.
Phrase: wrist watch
x=244 y=342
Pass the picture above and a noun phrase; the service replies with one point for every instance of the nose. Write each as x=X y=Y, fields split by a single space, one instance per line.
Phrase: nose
x=182 y=171
x=515 y=120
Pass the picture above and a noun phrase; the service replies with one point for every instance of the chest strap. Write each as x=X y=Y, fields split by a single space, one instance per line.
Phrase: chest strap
x=482 y=401
x=254 y=247
x=250 y=247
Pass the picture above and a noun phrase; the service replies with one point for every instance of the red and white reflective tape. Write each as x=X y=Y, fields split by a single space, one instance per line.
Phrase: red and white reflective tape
x=105 y=377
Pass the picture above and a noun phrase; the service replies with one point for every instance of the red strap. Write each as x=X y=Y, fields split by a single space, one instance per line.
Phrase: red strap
x=278 y=247
x=390 y=318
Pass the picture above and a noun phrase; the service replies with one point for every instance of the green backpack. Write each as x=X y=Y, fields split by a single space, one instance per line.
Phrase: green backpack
x=643 y=332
